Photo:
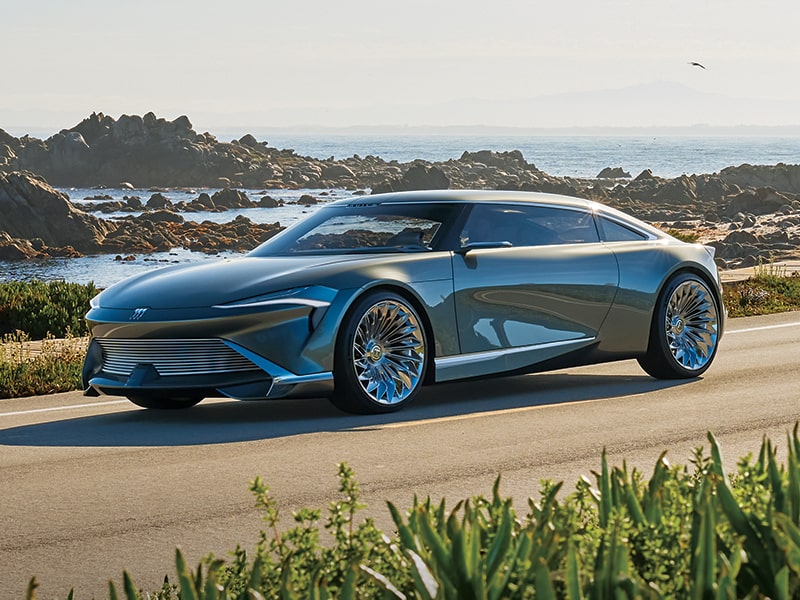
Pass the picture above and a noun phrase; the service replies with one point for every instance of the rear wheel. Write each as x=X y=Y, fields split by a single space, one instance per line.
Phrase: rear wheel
x=685 y=330
x=380 y=363
x=165 y=402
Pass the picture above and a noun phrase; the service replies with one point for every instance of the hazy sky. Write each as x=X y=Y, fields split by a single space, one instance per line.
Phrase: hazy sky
x=267 y=63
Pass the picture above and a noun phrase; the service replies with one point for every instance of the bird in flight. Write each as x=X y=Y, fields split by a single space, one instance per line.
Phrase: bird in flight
x=696 y=64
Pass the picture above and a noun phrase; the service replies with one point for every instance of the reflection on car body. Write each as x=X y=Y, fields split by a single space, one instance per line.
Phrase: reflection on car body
x=368 y=299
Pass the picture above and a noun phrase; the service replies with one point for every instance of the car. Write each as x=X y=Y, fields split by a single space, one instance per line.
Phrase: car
x=367 y=299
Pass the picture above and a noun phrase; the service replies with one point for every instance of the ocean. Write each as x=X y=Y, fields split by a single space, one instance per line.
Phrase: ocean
x=573 y=156
x=565 y=156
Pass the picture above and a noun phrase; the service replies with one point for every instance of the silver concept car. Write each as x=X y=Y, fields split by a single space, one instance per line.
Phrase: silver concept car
x=368 y=299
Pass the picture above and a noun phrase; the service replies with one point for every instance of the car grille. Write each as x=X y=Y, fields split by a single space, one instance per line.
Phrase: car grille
x=172 y=357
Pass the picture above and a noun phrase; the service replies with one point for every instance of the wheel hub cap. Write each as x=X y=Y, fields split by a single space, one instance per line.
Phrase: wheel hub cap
x=677 y=325
x=374 y=351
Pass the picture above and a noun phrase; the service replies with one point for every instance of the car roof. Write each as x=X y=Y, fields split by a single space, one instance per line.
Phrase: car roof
x=468 y=196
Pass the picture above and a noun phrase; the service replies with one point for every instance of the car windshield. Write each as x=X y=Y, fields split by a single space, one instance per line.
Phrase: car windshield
x=348 y=229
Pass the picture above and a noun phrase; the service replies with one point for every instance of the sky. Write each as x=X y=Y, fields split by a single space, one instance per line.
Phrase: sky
x=317 y=63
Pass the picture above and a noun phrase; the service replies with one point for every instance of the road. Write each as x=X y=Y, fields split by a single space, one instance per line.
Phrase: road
x=89 y=487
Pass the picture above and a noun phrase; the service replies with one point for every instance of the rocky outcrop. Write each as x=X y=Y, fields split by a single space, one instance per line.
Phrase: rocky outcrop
x=32 y=210
x=780 y=177
x=152 y=153
x=613 y=173
x=420 y=176
x=39 y=221
x=164 y=231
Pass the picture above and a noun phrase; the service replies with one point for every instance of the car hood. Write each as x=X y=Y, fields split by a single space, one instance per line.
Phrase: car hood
x=218 y=282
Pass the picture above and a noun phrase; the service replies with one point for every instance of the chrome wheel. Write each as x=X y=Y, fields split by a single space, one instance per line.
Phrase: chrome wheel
x=685 y=330
x=691 y=325
x=388 y=352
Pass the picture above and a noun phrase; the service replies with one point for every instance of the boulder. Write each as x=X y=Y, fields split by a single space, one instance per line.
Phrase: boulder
x=780 y=177
x=418 y=177
x=761 y=201
x=33 y=209
x=230 y=198
x=158 y=200
x=613 y=173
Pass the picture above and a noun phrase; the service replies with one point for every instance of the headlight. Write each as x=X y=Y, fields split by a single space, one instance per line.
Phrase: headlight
x=315 y=296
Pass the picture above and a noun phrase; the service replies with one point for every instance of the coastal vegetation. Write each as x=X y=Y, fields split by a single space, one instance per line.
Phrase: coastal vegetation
x=692 y=531
x=770 y=290
x=42 y=330
x=40 y=308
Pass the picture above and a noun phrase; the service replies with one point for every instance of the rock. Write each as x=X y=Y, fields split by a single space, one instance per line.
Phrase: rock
x=230 y=198
x=162 y=216
x=12 y=249
x=249 y=141
x=418 y=177
x=33 y=209
x=269 y=202
x=333 y=172
x=491 y=158
x=205 y=200
x=759 y=202
x=307 y=200
x=780 y=177
x=741 y=237
x=613 y=173
x=158 y=200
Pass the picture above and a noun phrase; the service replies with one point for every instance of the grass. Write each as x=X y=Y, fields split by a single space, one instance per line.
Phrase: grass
x=770 y=290
x=44 y=367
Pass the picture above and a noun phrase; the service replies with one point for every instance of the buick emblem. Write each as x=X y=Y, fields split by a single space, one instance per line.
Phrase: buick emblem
x=138 y=314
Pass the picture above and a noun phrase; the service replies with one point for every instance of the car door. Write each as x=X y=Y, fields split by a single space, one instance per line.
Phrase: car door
x=530 y=282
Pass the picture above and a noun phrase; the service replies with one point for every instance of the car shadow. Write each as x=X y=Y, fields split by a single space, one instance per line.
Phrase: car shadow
x=231 y=421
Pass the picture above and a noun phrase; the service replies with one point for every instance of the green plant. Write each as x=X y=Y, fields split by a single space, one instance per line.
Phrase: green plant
x=690 y=237
x=694 y=532
x=43 y=367
x=40 y=308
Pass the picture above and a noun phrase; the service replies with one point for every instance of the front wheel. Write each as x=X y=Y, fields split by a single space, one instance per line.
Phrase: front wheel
x=165 y=402
x=685 y=330
x=379 y=365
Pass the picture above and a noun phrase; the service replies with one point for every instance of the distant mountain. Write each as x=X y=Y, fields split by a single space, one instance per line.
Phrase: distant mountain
x=660 y=104
x=656 y=104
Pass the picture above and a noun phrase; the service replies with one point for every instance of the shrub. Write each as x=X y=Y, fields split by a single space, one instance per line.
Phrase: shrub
x=46 y=367
x=41 y=308
x=687 y=533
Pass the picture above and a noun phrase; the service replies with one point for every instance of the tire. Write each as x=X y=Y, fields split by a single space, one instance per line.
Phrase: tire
x=379 y=362
x=685 y=330
x=165 y=402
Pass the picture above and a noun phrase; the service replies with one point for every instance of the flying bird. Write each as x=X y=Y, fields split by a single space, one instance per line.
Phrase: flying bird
x=696 y=64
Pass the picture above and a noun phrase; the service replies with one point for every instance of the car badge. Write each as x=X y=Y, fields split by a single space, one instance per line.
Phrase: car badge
x=137 y=314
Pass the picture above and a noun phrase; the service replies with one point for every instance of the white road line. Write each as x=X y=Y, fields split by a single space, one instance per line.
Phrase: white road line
x=56 y=408
x=762 y=328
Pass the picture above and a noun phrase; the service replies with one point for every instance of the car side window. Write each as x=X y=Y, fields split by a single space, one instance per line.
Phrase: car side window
x=615 y=232
x=528 y=225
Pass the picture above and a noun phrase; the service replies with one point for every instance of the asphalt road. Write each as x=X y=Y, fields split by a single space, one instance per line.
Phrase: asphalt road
x=89 y=487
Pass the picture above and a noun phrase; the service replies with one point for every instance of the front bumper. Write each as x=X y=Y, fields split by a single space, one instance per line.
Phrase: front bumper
x=204 y=367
